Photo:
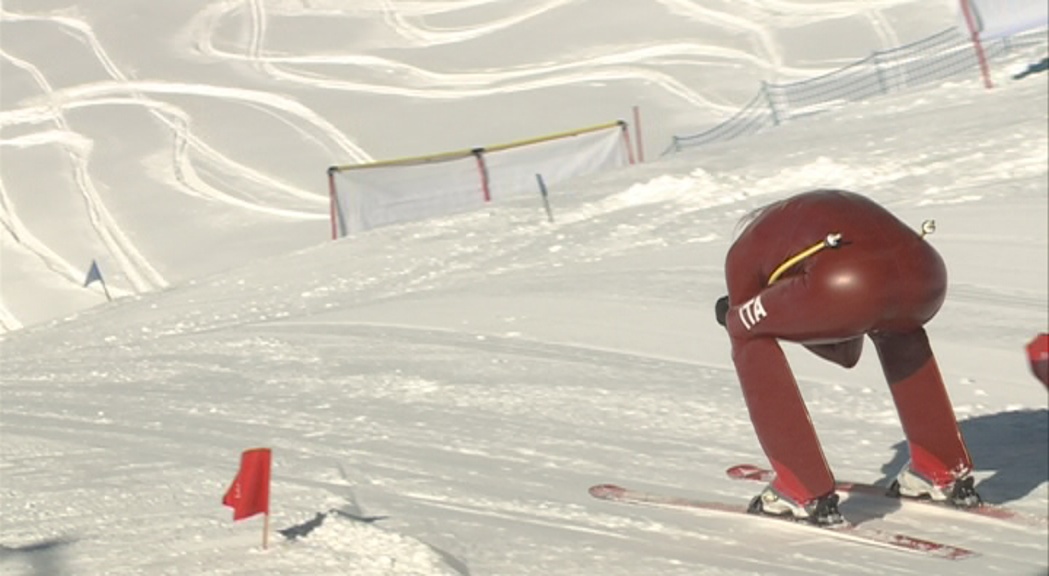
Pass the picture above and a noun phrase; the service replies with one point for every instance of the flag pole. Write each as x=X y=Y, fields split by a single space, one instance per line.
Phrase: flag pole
x=546 y=200
x=106 y=290
x=249 y=494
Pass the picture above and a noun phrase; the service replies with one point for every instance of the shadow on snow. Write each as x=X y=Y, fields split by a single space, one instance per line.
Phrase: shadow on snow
x=1013 y=446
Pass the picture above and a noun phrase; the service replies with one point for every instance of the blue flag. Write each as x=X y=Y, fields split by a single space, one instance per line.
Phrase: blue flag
x=93 y=274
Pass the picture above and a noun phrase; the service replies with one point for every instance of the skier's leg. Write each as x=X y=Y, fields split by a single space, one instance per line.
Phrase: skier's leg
x=781 y=420
x=937 y=449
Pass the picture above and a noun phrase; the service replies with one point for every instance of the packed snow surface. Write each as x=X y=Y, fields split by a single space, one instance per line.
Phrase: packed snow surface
x=440 y=395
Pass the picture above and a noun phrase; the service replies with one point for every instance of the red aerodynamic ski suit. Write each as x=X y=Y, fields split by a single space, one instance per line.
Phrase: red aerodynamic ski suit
x=880 y=279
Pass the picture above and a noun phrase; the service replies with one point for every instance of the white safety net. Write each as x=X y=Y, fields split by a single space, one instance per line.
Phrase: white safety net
x=513 y=171
x=370 y=197
x=374 y=195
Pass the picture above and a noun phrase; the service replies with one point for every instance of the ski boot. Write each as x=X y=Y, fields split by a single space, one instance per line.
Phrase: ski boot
x=822 y=511
x=961 y=493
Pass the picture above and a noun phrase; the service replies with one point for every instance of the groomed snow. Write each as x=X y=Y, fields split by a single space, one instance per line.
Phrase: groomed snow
x=451 y=387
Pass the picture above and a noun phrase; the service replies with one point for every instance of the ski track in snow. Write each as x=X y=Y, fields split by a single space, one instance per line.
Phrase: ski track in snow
x=13 y=224
x=617 y=62
x=438 y=85
x=138 y=270
x=122 y=91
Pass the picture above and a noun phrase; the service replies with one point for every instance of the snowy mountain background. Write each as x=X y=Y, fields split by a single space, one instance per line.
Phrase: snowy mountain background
x=459 y=383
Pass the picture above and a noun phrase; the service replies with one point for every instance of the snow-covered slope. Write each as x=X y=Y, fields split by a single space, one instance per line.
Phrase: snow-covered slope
x=459 y=383
x=177 y=140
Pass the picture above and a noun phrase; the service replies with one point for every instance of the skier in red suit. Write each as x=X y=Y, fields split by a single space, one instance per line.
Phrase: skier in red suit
x=825 y=269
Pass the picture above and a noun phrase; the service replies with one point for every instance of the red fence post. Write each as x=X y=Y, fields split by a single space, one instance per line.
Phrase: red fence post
x=977 y=45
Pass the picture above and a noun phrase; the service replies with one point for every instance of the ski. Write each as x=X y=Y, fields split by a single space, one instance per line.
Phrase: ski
x=849 y=532
x=756 y=473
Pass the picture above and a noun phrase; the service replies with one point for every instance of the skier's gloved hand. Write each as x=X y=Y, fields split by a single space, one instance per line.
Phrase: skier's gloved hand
x=721 y=310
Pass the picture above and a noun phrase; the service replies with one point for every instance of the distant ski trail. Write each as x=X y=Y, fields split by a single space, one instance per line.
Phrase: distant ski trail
x=186 y=174
x=733 y=20
x=258 y=32
x=201 y=29
x=615 y=66
x=179 y=121
x=277 y=102
x=396 y=18
x=265 y=100
x=796 y=13
x=138 y=270
x=20 y=234
x=617 y=63
x=183 y=167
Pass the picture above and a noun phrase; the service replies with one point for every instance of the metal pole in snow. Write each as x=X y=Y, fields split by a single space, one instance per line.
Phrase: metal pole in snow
x=637 y=134
x=546 y=200
x=106 y=290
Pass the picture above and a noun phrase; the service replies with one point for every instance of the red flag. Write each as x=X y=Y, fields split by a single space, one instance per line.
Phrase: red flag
x=250 y=493
x=1038 y=354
